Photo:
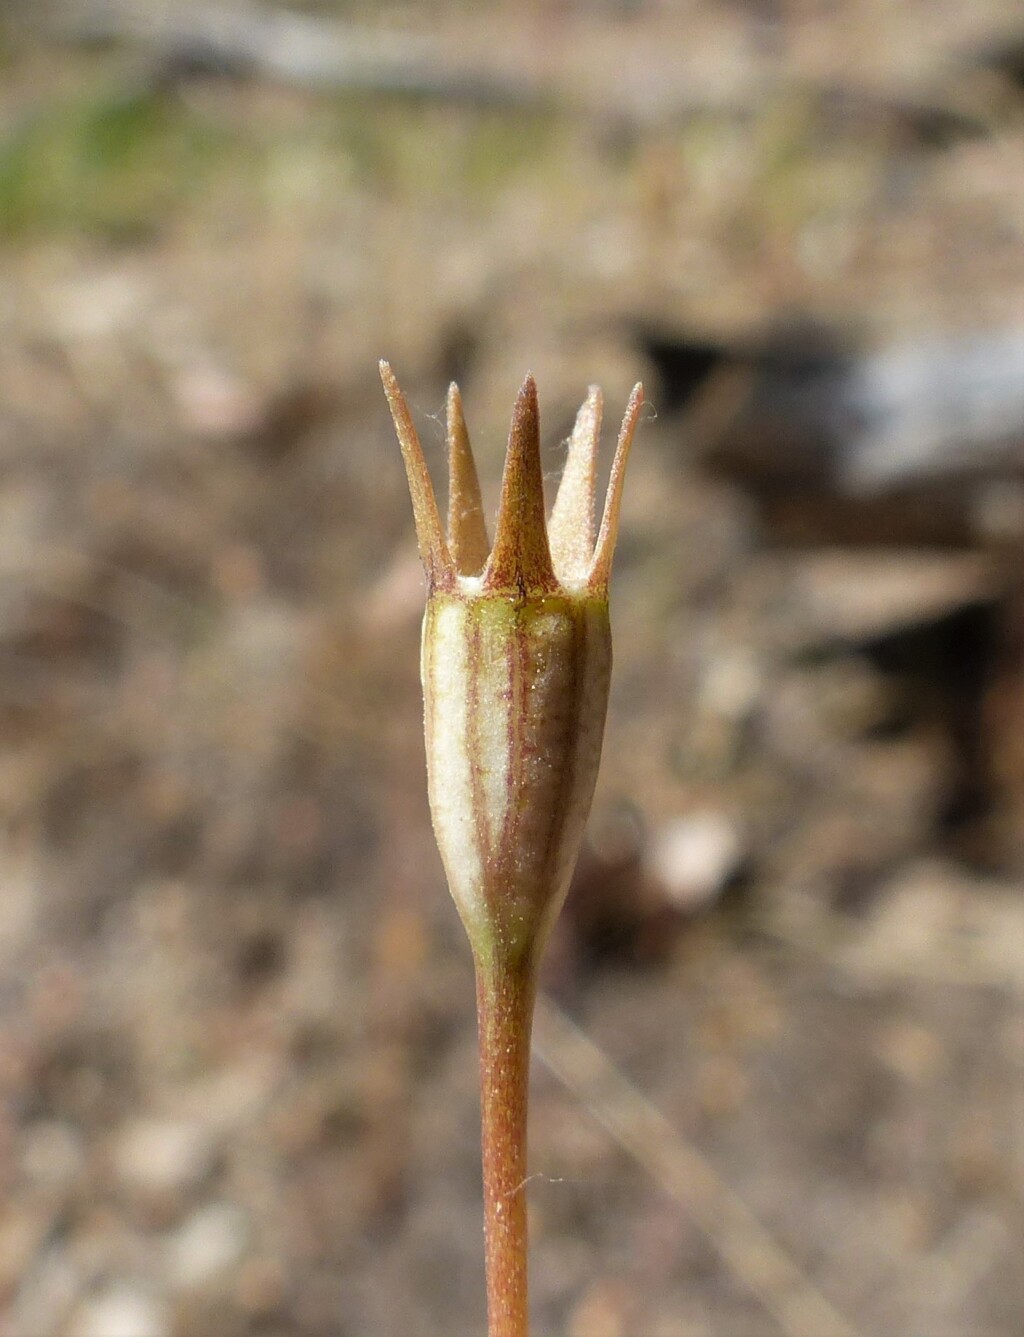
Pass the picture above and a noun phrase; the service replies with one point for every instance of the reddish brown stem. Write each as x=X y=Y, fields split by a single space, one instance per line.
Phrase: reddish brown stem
x=505 y=998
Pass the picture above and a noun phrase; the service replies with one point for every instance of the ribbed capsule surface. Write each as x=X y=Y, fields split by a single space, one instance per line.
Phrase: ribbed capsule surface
x=516 y=663
x=515 y=695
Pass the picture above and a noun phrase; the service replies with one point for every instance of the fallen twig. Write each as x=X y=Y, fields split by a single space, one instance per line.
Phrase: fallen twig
x=754 y=1255
x=297 y=49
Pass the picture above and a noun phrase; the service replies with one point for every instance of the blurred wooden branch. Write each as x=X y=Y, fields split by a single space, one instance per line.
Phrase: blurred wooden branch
x=804 y=408
x=323 y=55
x=298 y=49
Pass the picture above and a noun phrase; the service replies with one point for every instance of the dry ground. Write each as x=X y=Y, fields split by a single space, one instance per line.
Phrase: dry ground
x=237 y=1059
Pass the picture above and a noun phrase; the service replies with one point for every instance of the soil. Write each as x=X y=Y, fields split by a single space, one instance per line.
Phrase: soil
x=237 y=1042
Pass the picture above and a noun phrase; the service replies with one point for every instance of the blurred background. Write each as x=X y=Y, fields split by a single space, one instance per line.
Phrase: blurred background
x=237 y=1046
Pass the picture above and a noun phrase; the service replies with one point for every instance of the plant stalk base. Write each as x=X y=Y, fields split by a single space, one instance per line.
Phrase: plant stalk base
x=505 y=999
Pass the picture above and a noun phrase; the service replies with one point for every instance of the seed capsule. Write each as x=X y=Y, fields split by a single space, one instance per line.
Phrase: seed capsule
x=516 y=661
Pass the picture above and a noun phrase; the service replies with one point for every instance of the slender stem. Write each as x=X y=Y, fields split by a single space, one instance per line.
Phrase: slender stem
x=505 y=998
